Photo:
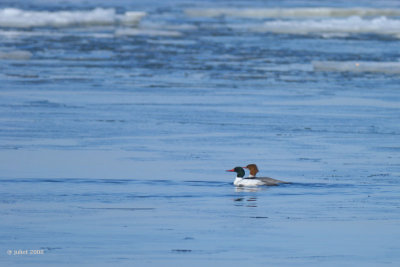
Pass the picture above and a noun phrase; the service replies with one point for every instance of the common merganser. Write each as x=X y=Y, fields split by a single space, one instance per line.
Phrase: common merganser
x=267 y=180
x=241 y=181
x=253 y=170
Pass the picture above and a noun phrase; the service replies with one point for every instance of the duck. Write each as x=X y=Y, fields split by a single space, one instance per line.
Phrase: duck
x=267 y=180
x=241 y=181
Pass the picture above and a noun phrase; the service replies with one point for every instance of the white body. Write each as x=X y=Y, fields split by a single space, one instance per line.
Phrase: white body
x=247 y=182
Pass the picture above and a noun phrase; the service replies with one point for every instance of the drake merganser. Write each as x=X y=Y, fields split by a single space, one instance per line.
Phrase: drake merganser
x=241 y=181
x=267 y=180
x=252 y=181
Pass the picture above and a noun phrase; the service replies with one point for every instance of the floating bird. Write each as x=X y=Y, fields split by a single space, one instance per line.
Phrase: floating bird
x=252 y=180
x=267 y=180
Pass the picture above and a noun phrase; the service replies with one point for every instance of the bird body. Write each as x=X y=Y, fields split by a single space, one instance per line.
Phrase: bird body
x=240 y=181
x=252 y=180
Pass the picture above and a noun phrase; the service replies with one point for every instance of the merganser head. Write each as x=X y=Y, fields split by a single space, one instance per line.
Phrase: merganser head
x=252 y=168
x=239 y=171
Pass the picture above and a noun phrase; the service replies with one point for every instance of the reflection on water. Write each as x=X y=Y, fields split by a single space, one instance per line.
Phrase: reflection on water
x=249 y=189
x=247 y=200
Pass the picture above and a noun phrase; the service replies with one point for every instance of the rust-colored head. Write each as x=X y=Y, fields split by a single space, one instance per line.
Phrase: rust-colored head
x=252 y=168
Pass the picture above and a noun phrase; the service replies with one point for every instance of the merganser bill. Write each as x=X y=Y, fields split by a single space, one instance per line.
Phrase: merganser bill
x=267 y=180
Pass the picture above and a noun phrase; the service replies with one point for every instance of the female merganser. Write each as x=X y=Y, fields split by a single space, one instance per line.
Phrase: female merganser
x=241 y=181
x=267 y=180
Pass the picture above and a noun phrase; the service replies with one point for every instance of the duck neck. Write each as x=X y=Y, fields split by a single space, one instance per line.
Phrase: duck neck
x=238 y=180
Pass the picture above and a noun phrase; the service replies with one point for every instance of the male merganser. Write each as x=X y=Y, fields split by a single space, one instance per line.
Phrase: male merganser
x=241 y=181
x=267 y=180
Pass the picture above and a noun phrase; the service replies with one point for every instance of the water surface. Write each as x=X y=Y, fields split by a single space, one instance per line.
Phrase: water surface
x=118 y=119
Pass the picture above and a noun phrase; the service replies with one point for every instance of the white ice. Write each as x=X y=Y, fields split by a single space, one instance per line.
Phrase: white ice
x=13 y=17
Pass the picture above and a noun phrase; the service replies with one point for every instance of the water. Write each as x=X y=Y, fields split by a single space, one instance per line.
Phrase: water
x=118 y=119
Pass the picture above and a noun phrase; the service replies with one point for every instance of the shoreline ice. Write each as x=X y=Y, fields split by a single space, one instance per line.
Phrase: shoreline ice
x=18 y=18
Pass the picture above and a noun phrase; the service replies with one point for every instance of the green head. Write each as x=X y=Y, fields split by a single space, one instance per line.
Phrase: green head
x=239 y=171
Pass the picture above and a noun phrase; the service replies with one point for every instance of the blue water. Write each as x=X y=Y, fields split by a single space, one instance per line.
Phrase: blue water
x=114 y=138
